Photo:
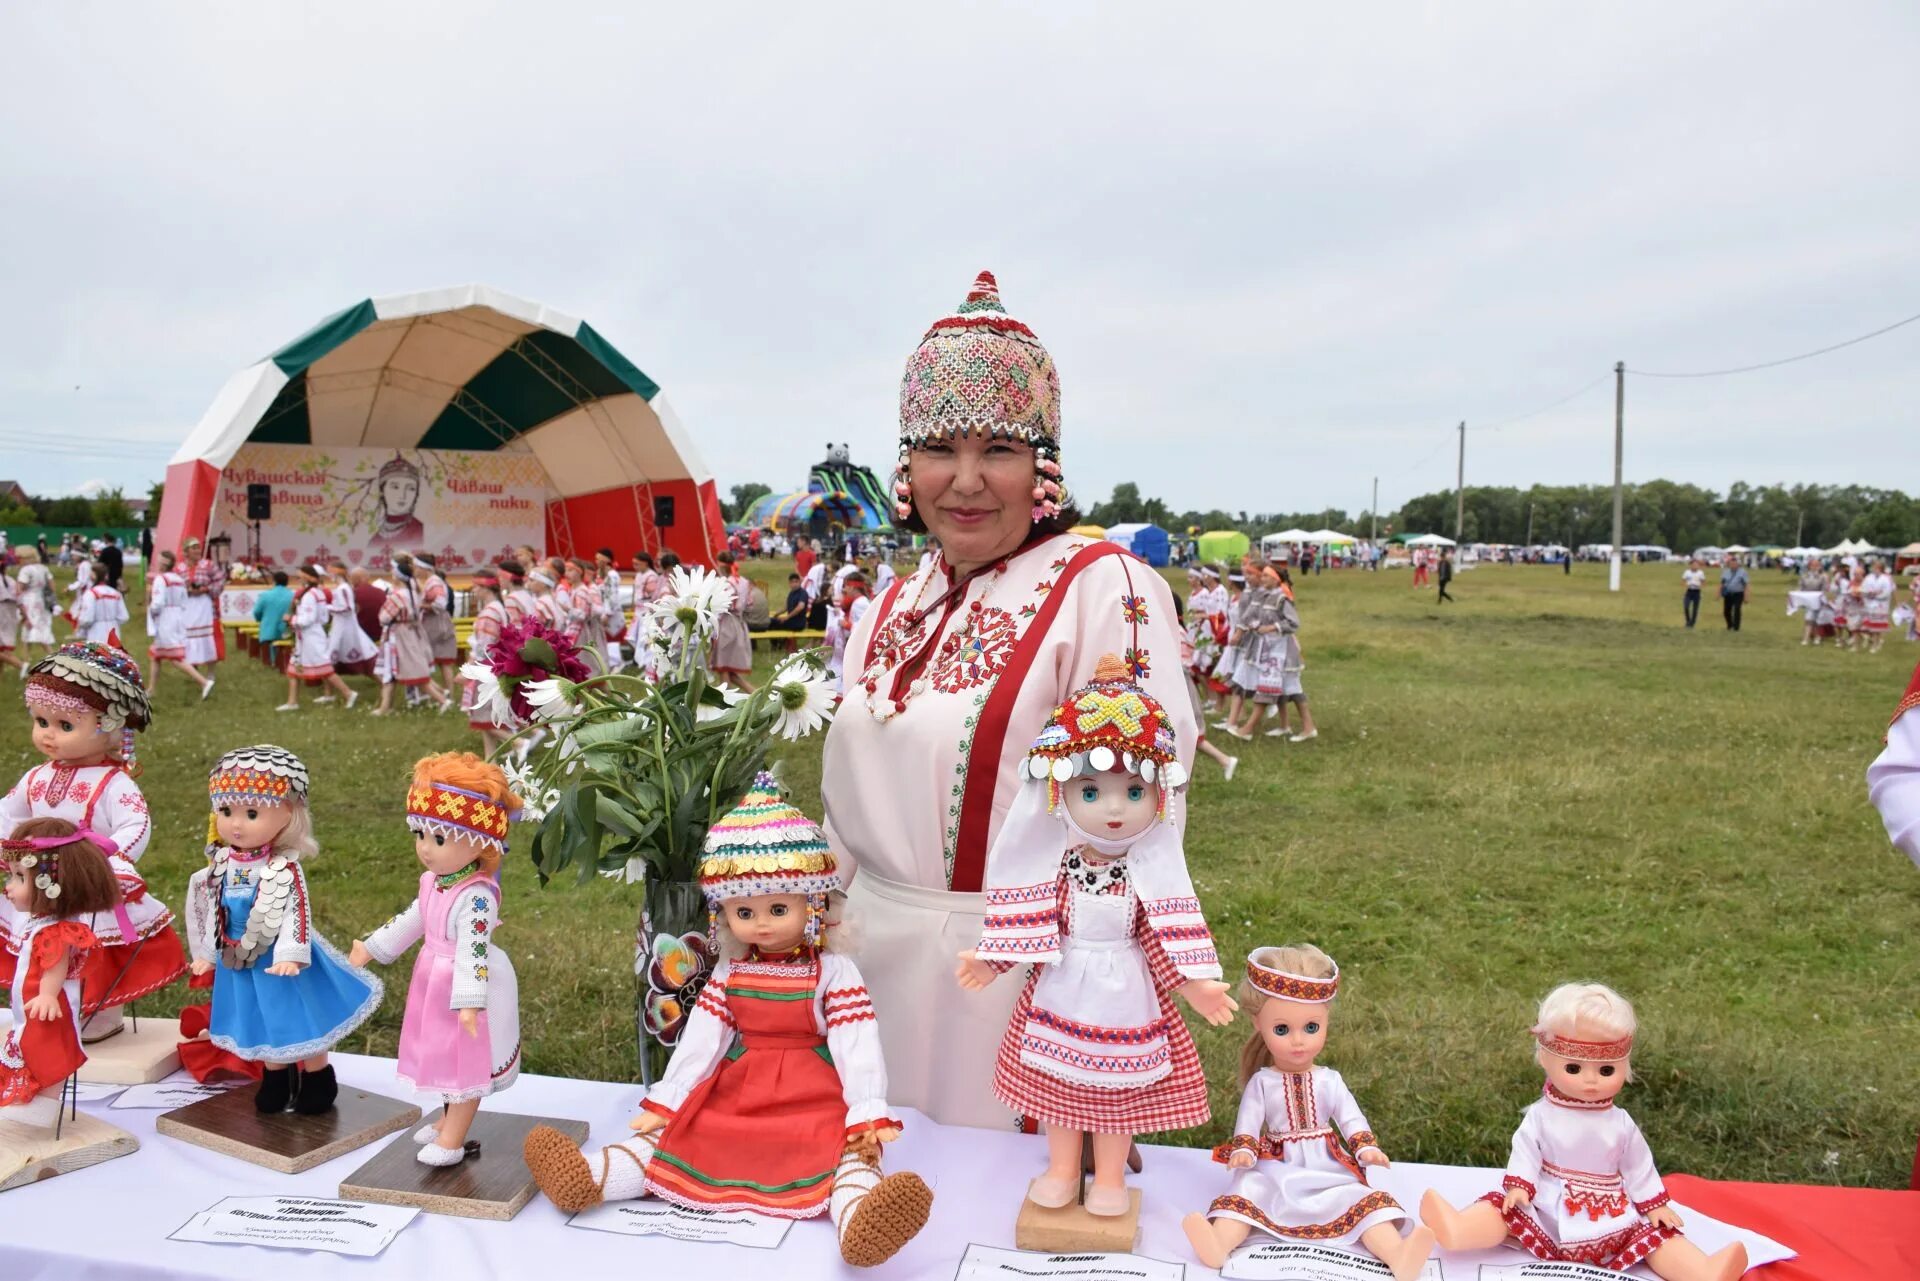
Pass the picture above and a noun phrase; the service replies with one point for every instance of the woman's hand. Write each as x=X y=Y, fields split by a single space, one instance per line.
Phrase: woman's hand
x=358 y=956
x=1211 y=999
x=285 y=969
x=200 y=967
x=974 y=974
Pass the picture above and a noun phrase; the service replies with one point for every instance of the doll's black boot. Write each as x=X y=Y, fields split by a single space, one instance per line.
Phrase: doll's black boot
x=318 y=1090
x=276 y=1088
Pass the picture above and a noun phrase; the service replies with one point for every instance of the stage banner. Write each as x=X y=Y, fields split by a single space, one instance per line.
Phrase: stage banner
x=363 y=505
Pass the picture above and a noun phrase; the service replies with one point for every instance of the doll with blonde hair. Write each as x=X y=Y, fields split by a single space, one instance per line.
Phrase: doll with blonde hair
x=775 y=1101
x=1581 y=1185
x=1295 y=1178
x=282 y=995
x=460 y=1039
x=56 y=878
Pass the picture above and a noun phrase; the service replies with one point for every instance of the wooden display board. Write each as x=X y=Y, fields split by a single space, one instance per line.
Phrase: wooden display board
x=84 y=1140
x=286 y=1141
x=492 y=1183
x=142 y=1050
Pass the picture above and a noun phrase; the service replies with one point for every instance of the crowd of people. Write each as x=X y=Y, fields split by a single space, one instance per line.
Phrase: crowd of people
x=1242 y=646
x=1854 y=605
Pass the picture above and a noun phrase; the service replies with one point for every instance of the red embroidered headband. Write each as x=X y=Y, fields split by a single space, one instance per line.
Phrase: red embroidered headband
x=21 y=844
x=1585 y=1051
x=1293 y=987
x=458 y=812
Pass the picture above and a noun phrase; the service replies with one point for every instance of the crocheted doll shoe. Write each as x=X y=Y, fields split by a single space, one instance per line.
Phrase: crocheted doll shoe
x=886 y=1219
x=562 y=1172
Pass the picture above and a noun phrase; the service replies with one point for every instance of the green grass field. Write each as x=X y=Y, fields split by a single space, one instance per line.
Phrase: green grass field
x=1539 y=783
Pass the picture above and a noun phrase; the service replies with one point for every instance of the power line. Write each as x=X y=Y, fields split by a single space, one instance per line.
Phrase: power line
x=1535 y=413
x=1769 y=364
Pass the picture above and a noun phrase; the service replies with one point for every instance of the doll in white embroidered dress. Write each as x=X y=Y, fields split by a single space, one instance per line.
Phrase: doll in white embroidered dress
x=1294 y=1179
x=1087 y=883
x=1581 y=1185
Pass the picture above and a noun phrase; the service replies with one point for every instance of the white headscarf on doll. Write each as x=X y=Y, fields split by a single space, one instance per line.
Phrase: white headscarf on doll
x=1111 y=724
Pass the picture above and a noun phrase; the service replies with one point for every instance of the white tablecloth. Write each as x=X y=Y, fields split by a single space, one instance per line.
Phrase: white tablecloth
x=110 y=1223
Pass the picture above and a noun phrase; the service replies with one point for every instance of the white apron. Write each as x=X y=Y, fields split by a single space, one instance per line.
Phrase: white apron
x=1101 y=981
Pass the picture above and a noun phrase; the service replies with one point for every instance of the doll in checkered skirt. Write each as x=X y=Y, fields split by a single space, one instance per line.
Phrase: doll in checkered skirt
x=1088 y=884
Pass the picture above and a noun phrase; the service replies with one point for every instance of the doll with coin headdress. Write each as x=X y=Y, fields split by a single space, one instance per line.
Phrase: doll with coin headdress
x=1301 y=1147
x=460 y=1040
x=86 y=702
x=57 y=878
x=775 y=1100
x=282 y=994
x=1087 y=883
x=1581 y=1185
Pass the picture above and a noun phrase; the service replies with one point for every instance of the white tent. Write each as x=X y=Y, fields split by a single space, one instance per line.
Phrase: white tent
x=1431 y=540
x=1849 y=547
x=1326 y=536
x=1288 y=536
x=1735 y=549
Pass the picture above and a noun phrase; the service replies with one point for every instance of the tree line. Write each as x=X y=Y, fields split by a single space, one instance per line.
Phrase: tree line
x=106 y=510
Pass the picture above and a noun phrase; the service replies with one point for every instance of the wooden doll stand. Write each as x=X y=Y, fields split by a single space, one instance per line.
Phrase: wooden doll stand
x=142 y=1050
x=77 y=1141
x=1071 y=1230
x=286 y=1141
x=492 y=1183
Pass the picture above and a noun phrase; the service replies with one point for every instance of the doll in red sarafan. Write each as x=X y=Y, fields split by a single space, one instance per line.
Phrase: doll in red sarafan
x=57 y=877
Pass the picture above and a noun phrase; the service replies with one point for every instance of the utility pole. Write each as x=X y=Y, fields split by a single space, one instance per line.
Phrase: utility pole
x=1799 y=524
x=1373 y=514
x=1460 y=490
x=1529 y=524
x=1619 y=437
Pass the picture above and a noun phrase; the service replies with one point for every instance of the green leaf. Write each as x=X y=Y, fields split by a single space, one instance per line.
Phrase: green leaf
x=616 y=816
x=540 y=654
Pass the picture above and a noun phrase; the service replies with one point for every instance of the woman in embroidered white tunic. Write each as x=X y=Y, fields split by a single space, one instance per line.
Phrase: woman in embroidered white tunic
x=956 y=667
x=312 y=656
x=36 y=603
x=347 y=640
x=98 y=613
x=1581 y=1185
x=1295 y=1179
x=1893 y=780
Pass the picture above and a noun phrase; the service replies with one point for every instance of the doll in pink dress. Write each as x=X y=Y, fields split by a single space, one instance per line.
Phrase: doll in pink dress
x=460 y=1040
x=1581 y=1186
x=1087 y=883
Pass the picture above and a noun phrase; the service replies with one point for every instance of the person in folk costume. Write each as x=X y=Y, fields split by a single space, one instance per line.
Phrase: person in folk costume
x=206 y=580
x=613 y=619
x=1893 y=780
x=350 y=645
x=1088 y=884
x=1876 y=595
x=1206 y=630
x=57 y=879
x=586 y=611
x=1853 y=609
x=1297 y=1178
x=544 y=603
x=460 y=1040
x=775 y=1100
x=1255 y=636
x=436 y=617
x=86 y=703
x=312 y=656
x=489 y=620
x=35 y=583
x=83 y=578
x=1581 y=1185
x=1280 y=679
x=1818 y=624
x=1228 y=764
x=958 y=667
x=406 y=655
x=649 y=585
x=10 y=615
x=515 y=598
x=282 y=994
x=167 y=624
x=845 y=615
x=730 y=655
x=99 y=611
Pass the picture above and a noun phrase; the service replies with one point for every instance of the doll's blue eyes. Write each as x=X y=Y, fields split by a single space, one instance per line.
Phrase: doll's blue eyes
x=1312 y=1028
x=1089 y=793
x=1135 y=792
x=778 y=909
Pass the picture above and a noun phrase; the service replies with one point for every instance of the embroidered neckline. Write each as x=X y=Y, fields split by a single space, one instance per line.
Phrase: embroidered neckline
x=238 y=855
x=802 y=952
x=1559 y=1099
x=452 y=879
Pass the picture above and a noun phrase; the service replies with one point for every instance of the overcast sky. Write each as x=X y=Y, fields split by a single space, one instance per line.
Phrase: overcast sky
x=1275 y=250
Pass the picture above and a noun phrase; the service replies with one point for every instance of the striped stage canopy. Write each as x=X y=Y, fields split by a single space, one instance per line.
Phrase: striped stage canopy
x=470 y=369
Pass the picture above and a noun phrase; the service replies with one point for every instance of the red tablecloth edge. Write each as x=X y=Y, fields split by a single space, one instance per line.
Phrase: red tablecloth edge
x=1840 y=1234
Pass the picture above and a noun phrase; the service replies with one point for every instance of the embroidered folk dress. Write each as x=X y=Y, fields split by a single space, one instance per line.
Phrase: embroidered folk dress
x=436 y=620
x=167 y=616
x=312 y=657
x=1592 y=1179
x=964 y=690
x=204 y=641
x=138 y=949
x=9 y=612
x=271 y=1018
x=732 y=647
x=40 y=1054
x=347 y=640
x=101 y=609
x=487 y=626
x=1305 y=1184
x=35 y=605
x=404 y=648
x=1893 y=780
x=1257 y=648
x=777 y=1068
x=1876 y=596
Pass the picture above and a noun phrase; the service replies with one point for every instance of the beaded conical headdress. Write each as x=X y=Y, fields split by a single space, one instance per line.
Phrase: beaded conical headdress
x=97 y=677
x=766 y=846
x=1108 y=723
